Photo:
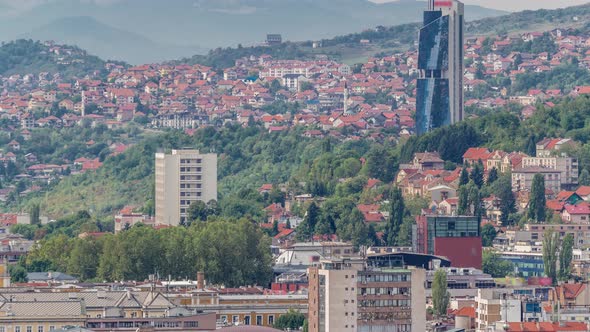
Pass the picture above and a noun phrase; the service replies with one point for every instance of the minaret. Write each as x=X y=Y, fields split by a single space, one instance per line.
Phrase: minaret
x=346 y=99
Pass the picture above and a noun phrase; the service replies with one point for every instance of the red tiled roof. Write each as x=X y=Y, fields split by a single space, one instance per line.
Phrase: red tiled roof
x=564 y=195
x=555 y=205
x=572 y=291
x=583 y=191
x=476 y=153
x=466 y=312
x=580 y=209
x=283 y=233
x=546 y=327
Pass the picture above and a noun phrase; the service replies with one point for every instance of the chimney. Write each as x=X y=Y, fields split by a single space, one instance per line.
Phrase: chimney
x=200 y=280
x=101 y=294
x=128 y=294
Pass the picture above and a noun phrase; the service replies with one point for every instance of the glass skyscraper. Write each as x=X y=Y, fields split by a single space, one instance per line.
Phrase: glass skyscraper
x=440 y=65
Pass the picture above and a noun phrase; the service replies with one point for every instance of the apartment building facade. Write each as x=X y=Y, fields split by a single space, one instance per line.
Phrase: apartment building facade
x=183 y=177
x=348 y=295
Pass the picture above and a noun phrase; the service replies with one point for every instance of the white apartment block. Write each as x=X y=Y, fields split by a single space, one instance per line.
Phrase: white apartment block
x=183 y=177
x=568 y=167
x=495 y=305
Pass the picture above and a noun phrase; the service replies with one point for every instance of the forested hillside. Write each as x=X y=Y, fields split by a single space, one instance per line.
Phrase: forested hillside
x=32 y=57
x=250 y=157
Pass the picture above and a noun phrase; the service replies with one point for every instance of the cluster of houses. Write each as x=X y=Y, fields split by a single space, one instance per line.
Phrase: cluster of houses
x=426 y=176
x=501 y=59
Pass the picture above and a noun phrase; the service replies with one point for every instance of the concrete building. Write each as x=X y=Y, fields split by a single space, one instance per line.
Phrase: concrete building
x=568 y=168
x=522 y=178
x=552 y=146
x=535 y=233
x=98 y=310
x=495 y=305
x=351 y=295
x=439 y=99
x=457 y=238
x=183 y=177
x=462 y=282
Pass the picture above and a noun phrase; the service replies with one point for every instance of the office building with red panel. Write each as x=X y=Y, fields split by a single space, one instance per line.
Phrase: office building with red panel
x=457 y=238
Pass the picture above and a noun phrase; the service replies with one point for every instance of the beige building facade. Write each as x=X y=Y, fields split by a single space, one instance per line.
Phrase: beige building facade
x=183 y=177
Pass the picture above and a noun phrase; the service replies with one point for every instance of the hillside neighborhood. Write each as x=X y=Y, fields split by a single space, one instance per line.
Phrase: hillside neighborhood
x=373 y=205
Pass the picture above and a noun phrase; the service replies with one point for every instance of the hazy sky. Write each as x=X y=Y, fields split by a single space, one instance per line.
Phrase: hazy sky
x=516 y=5
x=508 y=5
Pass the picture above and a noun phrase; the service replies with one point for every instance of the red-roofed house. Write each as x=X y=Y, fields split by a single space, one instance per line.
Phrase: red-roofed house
x=473 y=155
x=584 y=192
x=92 y=164
x=465 y=318
x=570 y=295
x=576 y=214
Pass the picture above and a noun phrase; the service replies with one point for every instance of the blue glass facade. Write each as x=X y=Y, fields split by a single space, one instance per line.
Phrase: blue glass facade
x=439 y=99
x=432 y=104
x=527 y=265
x=434 y=43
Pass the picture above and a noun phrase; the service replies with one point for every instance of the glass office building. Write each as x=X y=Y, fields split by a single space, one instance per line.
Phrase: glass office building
x=440 y=66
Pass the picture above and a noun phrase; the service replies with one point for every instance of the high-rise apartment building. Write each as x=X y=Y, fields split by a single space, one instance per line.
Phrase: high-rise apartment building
x=440 y=66
x=183 y=177
x=352 y=294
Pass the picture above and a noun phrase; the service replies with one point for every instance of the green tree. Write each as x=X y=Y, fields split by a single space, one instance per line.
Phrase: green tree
x=17 y=274
x=397 y=211
x=83 y=257
x=463 y=205
x=464 y=178
x=307 y=227
x=35 y=214
x=537 y=201
x=476 y=174
x=565 y=256
x=404 y=237
x=494 y=265
x=440 y=295
x=492 y=176
x=197 y=211
x=584 y=178
x=474 y=198
x=503 y=190
x=292 y=320
x=550 y=248
x=488 y=234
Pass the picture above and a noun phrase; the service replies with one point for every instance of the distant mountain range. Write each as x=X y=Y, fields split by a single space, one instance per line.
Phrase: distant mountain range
x=140 y=31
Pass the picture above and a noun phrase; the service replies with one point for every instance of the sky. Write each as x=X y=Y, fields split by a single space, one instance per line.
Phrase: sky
x=507 y=5
x=518 y=5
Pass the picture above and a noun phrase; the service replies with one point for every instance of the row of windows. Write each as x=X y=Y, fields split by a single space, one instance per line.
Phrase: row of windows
x=185 y=202
x=384 y=303
x=189 y=194
x=189 y=186
x=190 y=178
x=27 y=329
x=383 y=278
x=191 y=161
x=236 y=319
x=399 y=327
x=384 y=291
x=191 y=169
